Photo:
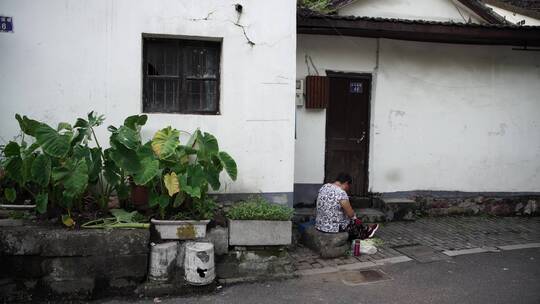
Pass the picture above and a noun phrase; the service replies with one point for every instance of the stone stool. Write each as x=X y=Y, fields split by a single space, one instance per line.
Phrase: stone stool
x=327 y=245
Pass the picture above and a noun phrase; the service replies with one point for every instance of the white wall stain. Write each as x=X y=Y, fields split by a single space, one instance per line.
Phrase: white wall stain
x=500 y=132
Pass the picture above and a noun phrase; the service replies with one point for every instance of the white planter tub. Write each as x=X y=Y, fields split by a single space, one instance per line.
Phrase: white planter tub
x=260 y=233
x=180 y=230
x=17 y=207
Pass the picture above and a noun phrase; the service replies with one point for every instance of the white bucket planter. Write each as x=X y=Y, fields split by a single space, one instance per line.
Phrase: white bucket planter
x=180 y=230
x=17 y=207
x=199 y=263
x=260 y=233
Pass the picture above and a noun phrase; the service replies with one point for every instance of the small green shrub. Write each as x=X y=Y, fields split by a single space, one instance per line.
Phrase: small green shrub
x=258 y=208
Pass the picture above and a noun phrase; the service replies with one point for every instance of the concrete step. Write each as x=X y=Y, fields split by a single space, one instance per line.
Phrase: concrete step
x=370 y=215
x=397 y=209
x=360 y=202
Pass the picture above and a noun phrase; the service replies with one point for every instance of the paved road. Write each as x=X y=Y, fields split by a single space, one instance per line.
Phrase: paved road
x=503 y=277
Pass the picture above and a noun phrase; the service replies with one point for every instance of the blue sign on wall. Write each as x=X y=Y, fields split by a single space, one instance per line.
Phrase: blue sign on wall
x=356 y=87
x=6 y=24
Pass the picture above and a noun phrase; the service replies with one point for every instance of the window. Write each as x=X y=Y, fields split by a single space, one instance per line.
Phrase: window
x=181 y=76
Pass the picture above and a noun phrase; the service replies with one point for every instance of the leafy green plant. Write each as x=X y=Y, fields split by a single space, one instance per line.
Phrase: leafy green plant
x=188 y=171
x=258 y=208
x=57 y=166
x=199 y=210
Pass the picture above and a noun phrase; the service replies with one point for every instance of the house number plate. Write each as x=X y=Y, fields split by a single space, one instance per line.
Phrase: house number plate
x=356 y=87
x=6 y=24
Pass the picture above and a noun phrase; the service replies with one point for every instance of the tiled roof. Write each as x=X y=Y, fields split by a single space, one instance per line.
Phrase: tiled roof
x=533 y=5
x=305 y=13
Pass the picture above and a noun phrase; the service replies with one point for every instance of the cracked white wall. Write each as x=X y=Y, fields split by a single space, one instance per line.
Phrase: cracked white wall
x=444 y=117
x=66 y=58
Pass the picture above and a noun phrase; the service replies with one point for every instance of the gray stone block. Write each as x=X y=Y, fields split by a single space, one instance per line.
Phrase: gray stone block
x=254 y=263
x=69 y=288
x=111 y=267
x=57 y=241
x=400 y=209
x=260 y=233
x=327 y=245
x=219 y=236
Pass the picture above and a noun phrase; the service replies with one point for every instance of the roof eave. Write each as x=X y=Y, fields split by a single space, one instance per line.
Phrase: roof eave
x=423 y=32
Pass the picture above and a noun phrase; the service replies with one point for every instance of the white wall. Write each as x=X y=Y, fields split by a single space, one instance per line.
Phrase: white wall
x=68 y=57
x=434 y=10
x=514 y=17
x=444 y=117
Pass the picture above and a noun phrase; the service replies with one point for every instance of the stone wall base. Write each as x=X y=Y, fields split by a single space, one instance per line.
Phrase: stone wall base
x=54 y=263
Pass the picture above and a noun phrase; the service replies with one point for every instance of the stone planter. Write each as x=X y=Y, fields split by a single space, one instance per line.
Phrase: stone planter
x=260 y=233
x=180 y=230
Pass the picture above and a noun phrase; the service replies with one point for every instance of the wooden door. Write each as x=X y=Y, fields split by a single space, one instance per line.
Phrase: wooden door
x=347 y=129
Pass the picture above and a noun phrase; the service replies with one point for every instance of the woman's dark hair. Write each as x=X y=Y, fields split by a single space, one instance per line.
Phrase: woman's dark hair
x=344 y=178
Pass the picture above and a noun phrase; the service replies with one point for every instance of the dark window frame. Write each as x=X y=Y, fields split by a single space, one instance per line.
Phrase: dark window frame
x=182 y=44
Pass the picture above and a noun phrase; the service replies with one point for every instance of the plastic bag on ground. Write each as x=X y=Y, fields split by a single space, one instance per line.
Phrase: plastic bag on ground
x=367 y=247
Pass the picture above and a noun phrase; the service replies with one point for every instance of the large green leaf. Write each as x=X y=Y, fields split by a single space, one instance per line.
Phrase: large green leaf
x=149 y=168
x=27 y=125
x=209 y=142
x=125 y=158
x=10 y=194
x=41 y=170
x=12 y=149
x=193 y=191
x=76 y=182
x=95 y=164
x=165 y=142
x=128 y=137
x=135 y=122
x=27 y=168
x=52 y=143
x=212 y=176
x=229 y=164
x=42 y=200
x=111 y=172
x=148 y=165
x=13 y=167
x=196 y=176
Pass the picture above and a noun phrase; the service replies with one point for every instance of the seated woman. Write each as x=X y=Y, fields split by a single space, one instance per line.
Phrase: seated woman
x=334 y=211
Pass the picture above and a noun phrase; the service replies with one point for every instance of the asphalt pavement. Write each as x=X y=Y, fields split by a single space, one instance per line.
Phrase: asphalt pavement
x=497 y=277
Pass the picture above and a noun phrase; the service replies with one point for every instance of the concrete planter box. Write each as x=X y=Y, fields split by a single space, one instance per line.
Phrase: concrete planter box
x=180 y=230
x=260 y=233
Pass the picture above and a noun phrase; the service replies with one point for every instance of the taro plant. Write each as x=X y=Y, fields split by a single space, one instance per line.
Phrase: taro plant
x=128 y=156
x=258 y=208
x=57 y=166
x=187 y=172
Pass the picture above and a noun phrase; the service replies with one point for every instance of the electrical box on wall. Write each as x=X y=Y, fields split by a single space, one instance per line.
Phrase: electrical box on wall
x=300 y=92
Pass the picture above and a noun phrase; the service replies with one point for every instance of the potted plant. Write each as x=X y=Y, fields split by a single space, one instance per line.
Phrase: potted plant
x=187 y=173
x=257 y=222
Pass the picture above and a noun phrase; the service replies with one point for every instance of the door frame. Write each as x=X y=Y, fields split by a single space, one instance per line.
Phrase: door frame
x=369 y=78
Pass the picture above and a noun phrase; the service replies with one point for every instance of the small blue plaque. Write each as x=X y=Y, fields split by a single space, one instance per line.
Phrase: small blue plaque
x=6 y=24
x=356 y=87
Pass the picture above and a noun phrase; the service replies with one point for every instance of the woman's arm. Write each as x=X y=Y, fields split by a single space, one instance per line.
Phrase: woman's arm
x=346 y=205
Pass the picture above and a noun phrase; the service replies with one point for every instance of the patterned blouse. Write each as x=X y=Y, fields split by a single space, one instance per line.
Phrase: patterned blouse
x=330 y=215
